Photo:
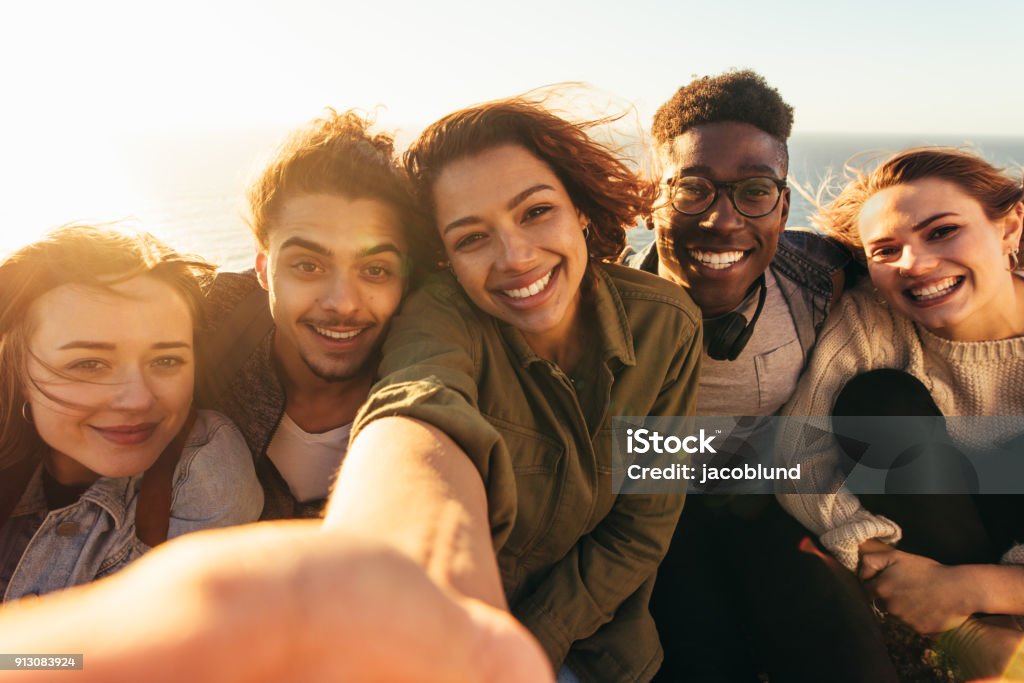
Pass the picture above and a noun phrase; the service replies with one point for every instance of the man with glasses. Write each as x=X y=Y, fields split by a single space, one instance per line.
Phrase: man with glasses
x=721 y=234
x=734 y=598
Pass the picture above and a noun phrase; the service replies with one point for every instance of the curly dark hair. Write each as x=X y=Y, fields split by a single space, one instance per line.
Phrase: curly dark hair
x=337 y=154
x=741 y=96
x=599 y=183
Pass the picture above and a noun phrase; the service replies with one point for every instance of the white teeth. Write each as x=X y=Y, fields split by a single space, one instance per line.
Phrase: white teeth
x=716 y=260
x=536 y=287
x=935 y=289
x=336 y=335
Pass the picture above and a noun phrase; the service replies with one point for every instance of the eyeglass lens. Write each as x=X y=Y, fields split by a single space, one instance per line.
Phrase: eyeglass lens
x=752 y=197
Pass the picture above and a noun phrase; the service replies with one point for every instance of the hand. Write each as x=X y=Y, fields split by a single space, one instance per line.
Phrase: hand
x=283 y=601
x=926 y=595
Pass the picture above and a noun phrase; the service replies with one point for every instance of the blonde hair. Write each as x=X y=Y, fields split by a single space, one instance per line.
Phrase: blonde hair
x=993 y=188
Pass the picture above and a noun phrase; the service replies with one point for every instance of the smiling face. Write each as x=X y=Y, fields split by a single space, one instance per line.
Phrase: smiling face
x=111 y=376
x=719 y=254
x=334 y=268
x=515 y=241
x=938 y=259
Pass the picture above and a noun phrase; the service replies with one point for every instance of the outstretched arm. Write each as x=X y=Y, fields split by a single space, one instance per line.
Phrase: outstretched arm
x=283 y=601
x=407 y=484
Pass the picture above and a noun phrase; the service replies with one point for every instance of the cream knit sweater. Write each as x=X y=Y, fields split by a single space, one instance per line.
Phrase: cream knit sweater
x=964 y=378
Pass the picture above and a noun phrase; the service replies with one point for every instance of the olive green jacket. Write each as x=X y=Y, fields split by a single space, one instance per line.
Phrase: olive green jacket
x=577 y=562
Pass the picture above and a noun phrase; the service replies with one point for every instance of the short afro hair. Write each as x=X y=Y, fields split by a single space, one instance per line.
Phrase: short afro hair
x=741 y=96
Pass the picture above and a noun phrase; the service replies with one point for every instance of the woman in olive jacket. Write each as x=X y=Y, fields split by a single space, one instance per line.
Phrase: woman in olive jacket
x=500 y=380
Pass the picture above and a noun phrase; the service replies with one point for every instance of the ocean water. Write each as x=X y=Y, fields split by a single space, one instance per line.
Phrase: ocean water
x=188 y=188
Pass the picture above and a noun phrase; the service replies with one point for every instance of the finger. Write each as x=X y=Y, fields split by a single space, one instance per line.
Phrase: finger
x=873 y=564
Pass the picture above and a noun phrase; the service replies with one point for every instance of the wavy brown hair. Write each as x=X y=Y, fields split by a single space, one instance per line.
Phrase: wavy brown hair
x=336 y=154
x=993 y=188
x=600 y=184
x=85 y=255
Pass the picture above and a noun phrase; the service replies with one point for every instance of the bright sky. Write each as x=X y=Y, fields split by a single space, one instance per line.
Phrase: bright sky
x=861 y=66
x=79 y=77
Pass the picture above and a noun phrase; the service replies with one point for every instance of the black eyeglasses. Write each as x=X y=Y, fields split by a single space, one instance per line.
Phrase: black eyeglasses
x=752 y=197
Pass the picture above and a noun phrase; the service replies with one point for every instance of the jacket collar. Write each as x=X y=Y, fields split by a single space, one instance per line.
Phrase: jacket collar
x=110 y=494
x=616 y=337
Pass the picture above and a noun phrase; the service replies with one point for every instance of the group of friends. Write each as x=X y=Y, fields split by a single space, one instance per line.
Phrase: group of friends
x=457 y=327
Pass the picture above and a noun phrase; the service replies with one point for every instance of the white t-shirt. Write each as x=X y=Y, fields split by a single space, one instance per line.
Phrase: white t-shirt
x=308 y=462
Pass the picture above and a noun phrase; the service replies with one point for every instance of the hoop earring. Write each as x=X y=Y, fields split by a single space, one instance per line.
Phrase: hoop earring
x=1014 y=260
x=25 y=408
x=586 y=231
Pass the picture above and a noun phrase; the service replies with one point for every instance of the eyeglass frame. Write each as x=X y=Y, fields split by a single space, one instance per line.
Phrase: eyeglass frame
x=730 y=188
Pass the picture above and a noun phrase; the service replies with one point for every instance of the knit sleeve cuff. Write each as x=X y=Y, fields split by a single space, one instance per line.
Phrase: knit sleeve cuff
x=844 y=540
x=1014 y=555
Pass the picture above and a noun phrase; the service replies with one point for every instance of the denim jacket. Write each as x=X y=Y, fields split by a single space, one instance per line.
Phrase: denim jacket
x=805 y=266
x=43 y=551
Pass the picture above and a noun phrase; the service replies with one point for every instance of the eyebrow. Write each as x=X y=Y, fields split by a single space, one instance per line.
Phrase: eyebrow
x=318 y=248
x=915 y=228
x=382 y=248
x=512 y=203
x=309 y=245
x=107 y=346
x=936 y=217
x=742 y=168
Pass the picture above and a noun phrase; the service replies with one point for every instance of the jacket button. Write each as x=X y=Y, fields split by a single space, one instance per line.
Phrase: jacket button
x=67 y=529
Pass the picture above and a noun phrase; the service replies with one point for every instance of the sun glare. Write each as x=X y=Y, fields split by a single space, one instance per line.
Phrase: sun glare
x=87 y=185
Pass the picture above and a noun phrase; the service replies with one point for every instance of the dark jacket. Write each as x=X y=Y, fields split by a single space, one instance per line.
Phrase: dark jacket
x=808 y=267
x=238 y=377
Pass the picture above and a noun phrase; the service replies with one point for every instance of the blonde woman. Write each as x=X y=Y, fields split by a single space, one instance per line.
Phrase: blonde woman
x=938 y=330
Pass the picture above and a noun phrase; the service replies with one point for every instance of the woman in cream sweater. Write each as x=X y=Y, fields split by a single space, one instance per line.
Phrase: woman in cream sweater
x=938 y=330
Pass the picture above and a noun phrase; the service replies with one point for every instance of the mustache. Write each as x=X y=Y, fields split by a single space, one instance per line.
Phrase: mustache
x=678 y=245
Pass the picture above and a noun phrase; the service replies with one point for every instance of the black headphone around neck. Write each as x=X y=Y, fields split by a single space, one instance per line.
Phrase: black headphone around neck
x=726 y=337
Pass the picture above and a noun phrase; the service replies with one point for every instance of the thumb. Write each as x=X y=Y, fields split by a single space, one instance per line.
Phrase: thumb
x=873 y=564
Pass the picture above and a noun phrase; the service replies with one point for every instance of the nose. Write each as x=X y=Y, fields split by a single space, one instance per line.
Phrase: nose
x=517 y=252
x=133 y=393
x=915 y=262
x=342 y=296
x=721 y=215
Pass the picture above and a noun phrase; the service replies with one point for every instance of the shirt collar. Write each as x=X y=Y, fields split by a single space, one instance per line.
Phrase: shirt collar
x=648 y=258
